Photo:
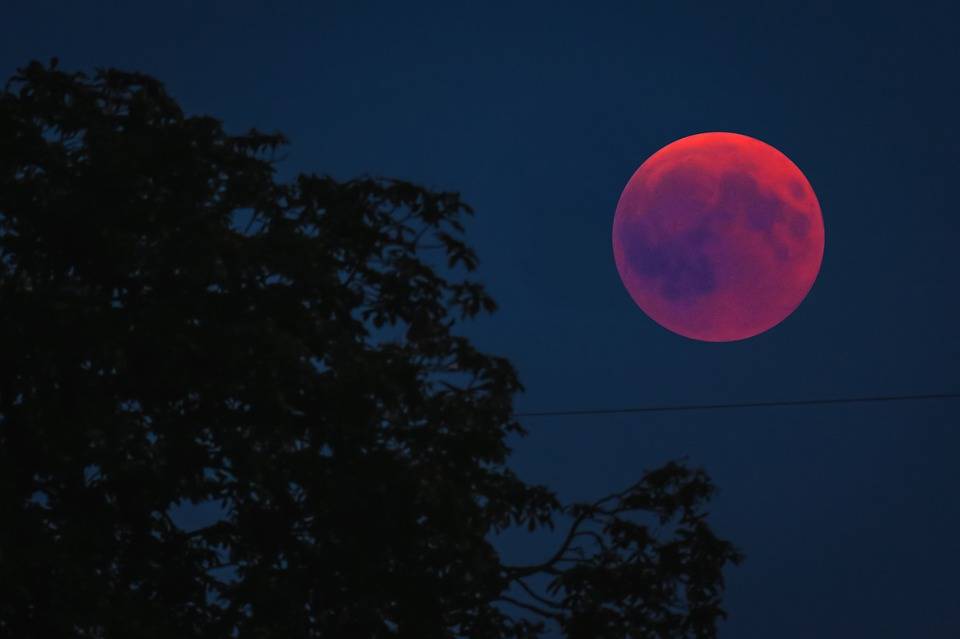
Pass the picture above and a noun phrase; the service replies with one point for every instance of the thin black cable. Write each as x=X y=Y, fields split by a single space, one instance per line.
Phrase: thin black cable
x=797 y=402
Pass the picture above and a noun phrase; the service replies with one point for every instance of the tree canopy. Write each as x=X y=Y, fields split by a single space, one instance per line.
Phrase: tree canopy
x=180 y=327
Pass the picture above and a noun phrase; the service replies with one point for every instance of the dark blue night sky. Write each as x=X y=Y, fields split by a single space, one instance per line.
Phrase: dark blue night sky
x=539 y=113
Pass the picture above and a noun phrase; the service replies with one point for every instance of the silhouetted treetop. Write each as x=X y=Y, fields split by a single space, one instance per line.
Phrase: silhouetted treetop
x=179 y=327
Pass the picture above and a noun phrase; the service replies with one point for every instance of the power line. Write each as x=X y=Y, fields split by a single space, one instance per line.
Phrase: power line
x=797 y=402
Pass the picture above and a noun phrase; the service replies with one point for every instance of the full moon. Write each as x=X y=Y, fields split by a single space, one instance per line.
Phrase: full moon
x=718 y=237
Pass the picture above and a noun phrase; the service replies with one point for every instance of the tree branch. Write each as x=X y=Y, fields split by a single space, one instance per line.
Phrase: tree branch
x=524 y=571
x=535 y=609
x=541 y=599
x=515 y=572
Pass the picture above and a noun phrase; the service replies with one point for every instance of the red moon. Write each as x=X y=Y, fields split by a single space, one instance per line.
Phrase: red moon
x=718 y=237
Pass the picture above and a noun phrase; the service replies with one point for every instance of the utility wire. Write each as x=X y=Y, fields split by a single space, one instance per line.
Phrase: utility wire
x=798 y=402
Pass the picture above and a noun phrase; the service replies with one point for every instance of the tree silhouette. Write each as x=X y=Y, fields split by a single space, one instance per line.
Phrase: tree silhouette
x=304 y=373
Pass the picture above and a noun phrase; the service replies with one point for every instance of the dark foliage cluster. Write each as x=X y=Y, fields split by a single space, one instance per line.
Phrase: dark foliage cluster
x=304 y=373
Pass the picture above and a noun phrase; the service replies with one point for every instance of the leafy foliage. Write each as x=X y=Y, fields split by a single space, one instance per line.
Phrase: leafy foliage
x=304 y=373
